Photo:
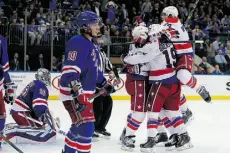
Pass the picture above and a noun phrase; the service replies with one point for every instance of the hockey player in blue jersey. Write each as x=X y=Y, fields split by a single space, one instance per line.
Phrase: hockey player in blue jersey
x=80 y=74
x=32 y=105
x=5 y=81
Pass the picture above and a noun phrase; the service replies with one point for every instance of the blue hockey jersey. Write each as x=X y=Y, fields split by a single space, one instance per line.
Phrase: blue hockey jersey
x=33 y=98
x=4 y=62
x=81 y=63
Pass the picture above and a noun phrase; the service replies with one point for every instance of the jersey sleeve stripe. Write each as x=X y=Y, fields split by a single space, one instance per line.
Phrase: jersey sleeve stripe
x=39 y=101
x=70 y=69
x=6 y=67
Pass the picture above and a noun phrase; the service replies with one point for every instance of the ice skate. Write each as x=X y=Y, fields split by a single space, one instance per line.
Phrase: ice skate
x=122 y=136
x=187 y=117
x=202 y=91
x=95 y=137
x=103 y=134
x=161 y=138
x=148 y=147
x=170 y=145
x=128 y=143
x=183 y=142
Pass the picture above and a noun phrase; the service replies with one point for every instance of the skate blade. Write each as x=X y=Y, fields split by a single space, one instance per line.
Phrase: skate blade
x=185 y=147
x=147 y=150
x=161 y=144
x=95 y=139
x=172 y=148
x=104 y=137
x=127 y=148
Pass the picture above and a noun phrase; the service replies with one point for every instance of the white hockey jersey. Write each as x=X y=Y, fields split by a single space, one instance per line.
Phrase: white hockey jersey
x=181 y=48
x=160 y=59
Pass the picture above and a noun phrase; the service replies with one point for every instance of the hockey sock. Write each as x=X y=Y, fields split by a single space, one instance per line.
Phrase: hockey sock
x=187 y=78
x=2 y=125
x=183 y=104
x=152 y=124
x=79 y=138
x=133 y=124
x=161 y=127
x=129 y=117
x=178 y=125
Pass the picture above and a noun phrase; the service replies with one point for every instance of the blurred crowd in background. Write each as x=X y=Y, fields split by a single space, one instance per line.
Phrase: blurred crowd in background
x=210 y=23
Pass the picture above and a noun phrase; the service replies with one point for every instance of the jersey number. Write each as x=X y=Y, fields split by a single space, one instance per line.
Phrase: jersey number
x=170 y=58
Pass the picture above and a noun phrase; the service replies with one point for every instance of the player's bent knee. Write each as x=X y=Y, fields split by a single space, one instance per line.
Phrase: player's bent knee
x=184 y=75
x=139 y=116
x=153 y=115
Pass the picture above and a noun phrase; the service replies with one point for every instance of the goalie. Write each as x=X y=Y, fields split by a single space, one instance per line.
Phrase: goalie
x=31 y=113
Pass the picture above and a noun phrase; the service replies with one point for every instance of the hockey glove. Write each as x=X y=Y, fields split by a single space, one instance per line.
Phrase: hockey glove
x=133 y=69
x=47 y=119
x=107 y=88
x=76 y=88
x=10 y=92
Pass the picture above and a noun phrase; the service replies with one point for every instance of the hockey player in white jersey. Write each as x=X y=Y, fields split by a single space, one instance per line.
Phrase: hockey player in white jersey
x=165 y=92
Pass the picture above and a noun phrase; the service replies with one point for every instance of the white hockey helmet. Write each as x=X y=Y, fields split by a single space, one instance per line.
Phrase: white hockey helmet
x=140 y=34
x=155 y=31
x=170 y=11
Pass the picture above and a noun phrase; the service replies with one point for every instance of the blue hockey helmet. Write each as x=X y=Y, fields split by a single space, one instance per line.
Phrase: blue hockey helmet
x=86 y=18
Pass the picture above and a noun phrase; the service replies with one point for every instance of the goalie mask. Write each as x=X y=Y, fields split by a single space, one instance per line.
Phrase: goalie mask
x=43 y=75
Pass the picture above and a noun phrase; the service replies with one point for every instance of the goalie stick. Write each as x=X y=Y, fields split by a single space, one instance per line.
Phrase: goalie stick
x=41 y=123
x=11 y=144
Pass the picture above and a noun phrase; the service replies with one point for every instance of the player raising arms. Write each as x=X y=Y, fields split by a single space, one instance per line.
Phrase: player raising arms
x=175 y=31
x=80 y=74
x=164 y=92
x=32 y=105
x=5 y=81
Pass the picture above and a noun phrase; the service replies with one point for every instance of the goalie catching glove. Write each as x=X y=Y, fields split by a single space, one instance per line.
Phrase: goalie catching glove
x=10 y=92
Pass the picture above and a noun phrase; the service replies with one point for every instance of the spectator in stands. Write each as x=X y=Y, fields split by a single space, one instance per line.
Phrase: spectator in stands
x=217 y=43
x=209 y=70
x=227 y=57
x=217 y=70
x=27 y=63
x=54 y=66
x=14 y=63
x=60 y=63
x=146 y=10
x=197 y=33
x=200 y=70
x=40 y=62
x=204 y=64
x=112 y=10
x=96 y=8
x=220 y=60
x=211 y=53
x=33 y=33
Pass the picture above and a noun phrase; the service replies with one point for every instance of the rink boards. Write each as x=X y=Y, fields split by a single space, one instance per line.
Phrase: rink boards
x=218 y=85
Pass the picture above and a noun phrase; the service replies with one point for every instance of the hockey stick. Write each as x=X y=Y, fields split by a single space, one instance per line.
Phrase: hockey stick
x=190 y=14
x=101 y=91
x=41 y=123
x=11 y=144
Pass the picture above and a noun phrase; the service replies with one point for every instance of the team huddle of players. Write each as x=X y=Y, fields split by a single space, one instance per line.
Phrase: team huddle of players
x=158 y=64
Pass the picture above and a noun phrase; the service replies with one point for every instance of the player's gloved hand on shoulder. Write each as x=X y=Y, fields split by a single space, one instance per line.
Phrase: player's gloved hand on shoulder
x=10 y=92
x=171 y=33
x=133 y=69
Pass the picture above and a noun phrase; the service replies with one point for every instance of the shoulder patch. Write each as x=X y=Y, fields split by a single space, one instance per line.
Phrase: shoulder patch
x=72 y=55
x=42 y=92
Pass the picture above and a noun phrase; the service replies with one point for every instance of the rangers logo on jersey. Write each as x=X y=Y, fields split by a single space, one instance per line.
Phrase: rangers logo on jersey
x=42 y=92
x=72 y=55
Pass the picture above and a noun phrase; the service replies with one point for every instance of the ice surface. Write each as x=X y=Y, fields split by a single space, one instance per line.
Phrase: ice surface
x=210 y=131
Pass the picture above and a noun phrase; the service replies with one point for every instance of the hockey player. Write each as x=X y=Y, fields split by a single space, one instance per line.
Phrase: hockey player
x=136 y=85
x=31 y=106
x=175 y=31
x=164 y=92
x=80 y=74
x=5 y=81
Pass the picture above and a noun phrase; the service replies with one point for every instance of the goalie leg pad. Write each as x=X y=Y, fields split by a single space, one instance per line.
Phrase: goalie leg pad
x=79 y=138
x=29 y=135
x=22 y=121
